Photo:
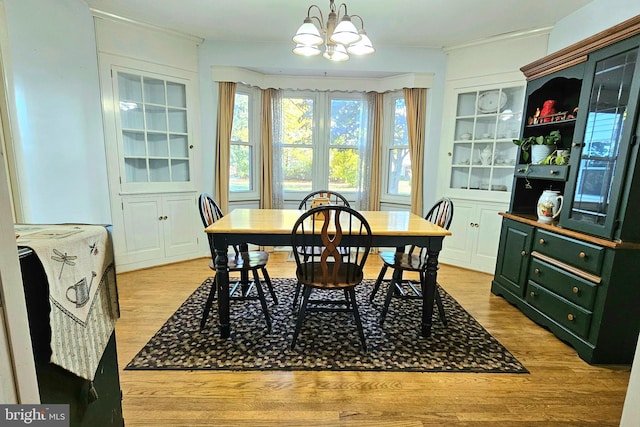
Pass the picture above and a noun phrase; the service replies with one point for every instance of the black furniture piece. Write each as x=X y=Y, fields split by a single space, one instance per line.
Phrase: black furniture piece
x=441 y=213
x=578 y=276
x=241 y=261
x=91 y=403
x=345 y=237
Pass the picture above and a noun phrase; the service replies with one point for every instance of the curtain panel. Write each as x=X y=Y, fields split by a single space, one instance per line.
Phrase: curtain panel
x=226 y=101
x=416 y=103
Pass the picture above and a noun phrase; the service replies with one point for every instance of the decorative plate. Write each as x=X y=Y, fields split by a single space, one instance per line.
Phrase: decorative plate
x=491 y=101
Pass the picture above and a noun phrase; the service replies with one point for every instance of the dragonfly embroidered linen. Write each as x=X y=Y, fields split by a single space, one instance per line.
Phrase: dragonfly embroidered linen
x=78 y=262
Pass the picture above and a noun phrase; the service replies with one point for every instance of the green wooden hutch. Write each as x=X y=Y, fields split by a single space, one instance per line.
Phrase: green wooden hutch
x=580 y=275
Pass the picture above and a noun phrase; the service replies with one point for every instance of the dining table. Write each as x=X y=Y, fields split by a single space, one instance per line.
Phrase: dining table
x=273 y=227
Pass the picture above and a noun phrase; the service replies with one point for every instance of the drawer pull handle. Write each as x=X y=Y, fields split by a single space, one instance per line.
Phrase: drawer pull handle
x=552 y=172
x=542 y=242
x=536 y=271
x=523 y=253
x=582 y=255
x=575 y=290
x=570 y=317
x=521 y=170
x=533 y=294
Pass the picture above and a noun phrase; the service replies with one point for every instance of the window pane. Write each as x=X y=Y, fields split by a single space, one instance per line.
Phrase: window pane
x=298 y=121
x=347 y=122
x=399 y=172
x=240 y=129
x=400 y=135
x=344 y=165
x=297 y=164
x=240 y=168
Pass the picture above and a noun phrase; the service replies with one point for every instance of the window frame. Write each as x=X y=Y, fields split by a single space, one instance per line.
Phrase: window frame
x=320 y=141
x=255 y=143
x=389 y=100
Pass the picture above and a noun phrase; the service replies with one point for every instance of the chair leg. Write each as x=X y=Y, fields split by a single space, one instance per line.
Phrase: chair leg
x=207 y=305
x=269 y=285
x=356 y=315
x=263 y=300
x=306 y=294
x=294 y=308
x=387 y=300
x=438 y=298
x=379 y=280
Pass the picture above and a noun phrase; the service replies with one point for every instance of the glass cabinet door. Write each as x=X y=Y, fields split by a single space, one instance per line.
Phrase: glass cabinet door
x=599 y=170
x=153 y=127
x=483 y=154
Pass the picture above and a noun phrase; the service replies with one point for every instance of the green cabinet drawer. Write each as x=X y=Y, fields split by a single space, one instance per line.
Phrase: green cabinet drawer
x=567 y=285
x=546 y=172
x=567 y=314
x=582 y=255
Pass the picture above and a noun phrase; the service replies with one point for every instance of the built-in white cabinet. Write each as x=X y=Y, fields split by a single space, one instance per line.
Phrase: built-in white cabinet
x=159 y=227
x=477 y=167
x=151 y=127
x=475 y=235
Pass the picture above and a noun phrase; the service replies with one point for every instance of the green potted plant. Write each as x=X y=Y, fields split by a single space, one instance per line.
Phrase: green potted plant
x=540 y=146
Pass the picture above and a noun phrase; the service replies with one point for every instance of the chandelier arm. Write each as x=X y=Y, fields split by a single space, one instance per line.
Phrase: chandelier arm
x=320 y=20
x=345 y=10
x=361 y=21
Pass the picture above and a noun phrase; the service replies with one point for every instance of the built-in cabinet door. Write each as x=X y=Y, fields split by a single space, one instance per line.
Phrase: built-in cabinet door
x=457 y=247
x=160 y=227
x=143 y=229
x=475 y=235
x=181 y=225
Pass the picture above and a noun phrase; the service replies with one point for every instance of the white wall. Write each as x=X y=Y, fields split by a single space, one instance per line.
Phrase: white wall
x=589 y=20
x=278 y=59
x=56 y=114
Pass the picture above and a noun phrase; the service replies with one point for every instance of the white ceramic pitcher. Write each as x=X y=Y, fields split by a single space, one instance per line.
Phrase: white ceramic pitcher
x=549 y=206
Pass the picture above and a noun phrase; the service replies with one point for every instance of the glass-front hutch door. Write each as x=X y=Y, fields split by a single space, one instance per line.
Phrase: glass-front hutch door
x=598 y=162
x=154 y=134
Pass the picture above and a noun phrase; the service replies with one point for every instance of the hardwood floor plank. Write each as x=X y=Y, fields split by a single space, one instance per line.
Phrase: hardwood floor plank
x=561 y=389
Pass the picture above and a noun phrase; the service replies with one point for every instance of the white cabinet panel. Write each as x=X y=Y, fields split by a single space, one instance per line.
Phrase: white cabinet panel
x=457 y=247
x=158 y=229
x=475 y=235
x=181 y=225
x=143 y=228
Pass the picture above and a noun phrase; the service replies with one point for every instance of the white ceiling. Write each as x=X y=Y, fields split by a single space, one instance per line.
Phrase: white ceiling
x=413 y=23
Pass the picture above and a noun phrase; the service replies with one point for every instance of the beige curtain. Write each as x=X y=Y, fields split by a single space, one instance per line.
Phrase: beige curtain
x=375 y=128
x=266 y=169
x=416 y=102
x=226 y=101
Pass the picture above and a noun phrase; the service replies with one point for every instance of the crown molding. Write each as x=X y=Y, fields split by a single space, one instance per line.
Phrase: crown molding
x=97 y=13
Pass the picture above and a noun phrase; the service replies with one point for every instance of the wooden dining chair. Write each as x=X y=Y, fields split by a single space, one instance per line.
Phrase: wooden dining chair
x=333 y=198
x=441 y=213
x=242 y=261
x=337 y=230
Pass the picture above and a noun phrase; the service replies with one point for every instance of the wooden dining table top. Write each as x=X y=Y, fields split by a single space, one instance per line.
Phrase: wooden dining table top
x=281 y=221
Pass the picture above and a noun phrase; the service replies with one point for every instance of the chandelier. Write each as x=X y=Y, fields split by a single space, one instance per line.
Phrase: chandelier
x=340 y=36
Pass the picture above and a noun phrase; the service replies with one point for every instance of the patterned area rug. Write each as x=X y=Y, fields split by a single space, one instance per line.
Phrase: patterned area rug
x=328 y=341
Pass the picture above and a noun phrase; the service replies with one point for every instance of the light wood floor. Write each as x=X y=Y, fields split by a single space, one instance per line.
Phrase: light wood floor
x=561 y=389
